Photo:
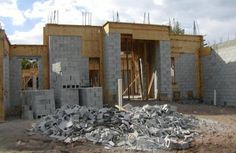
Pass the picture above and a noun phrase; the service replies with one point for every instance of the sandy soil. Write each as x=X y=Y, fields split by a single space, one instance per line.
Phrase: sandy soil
x=219 y=136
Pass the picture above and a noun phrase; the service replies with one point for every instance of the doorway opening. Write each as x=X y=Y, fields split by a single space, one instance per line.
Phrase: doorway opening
x=29 y=74
x=138 y=68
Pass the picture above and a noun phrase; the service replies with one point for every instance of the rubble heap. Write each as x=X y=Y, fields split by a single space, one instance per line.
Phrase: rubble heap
x=141 y=128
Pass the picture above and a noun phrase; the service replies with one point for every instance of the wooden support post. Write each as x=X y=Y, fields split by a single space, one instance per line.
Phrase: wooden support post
x=150 y=84
x=136 y=77
x=127 y=73
x=141 y=76
x=145 y=72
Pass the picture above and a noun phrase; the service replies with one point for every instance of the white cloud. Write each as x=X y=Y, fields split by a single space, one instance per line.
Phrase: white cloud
x=216 y=19
x=70 y=10
x=8 y=8
x=217 y=31
x=159 y=2
x=32 y=36
x=2 y=25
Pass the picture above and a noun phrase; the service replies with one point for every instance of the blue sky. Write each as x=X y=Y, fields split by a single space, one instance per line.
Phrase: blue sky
x=22 y=5
x=23 y=20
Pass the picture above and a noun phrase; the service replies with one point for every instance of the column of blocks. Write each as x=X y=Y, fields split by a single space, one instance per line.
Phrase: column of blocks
x=163 y=65
x=111 y=67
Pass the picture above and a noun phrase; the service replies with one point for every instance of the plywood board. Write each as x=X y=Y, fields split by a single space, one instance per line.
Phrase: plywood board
x=185 y=43
x=205 y=51
x=91 y=36
x=139 y=31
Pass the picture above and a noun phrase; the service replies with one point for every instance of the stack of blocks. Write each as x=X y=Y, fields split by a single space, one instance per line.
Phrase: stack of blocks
x=91 y=97
x=39 y=102
x=69 y=97
x=111 y=66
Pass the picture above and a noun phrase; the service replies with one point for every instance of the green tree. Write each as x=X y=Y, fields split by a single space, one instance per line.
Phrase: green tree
x=27 y=64
x=176 y=28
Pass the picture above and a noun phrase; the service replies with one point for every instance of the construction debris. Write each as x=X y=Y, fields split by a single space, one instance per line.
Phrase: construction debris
x=145 y=128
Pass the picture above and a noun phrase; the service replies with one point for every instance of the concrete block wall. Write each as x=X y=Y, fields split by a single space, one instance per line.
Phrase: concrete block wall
x=163 y=69
x=6 y=84
x=15 y=82
x=219 y=73
x=185 y=74
x=39 y=102
x=112 y=67
x=68 y=69
x=40 y=76
x=91 y=97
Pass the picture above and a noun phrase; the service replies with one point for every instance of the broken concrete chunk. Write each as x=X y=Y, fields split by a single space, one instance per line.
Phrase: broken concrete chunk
x=146 y=128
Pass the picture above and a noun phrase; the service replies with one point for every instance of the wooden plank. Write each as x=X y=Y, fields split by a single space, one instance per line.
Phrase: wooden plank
x=151 y=83
x=205 y=51
x=185 y=43
x=126 y=25
x=140 y=76
x=130 y=85
x=198 y=75
x=141 y=31
x=91 y=36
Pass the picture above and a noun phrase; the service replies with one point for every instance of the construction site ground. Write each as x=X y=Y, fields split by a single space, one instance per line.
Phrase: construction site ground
x=220 y=138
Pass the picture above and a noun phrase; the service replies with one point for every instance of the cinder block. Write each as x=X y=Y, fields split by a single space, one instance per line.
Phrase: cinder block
x=40 y=102
x=91 y=97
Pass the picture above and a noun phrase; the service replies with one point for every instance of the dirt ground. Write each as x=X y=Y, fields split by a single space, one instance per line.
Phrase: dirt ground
x=219 y=136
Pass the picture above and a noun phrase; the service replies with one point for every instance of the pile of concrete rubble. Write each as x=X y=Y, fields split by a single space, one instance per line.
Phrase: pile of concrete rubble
x=142 y=128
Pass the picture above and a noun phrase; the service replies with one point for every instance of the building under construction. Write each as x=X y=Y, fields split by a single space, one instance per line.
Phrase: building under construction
x=82 y=63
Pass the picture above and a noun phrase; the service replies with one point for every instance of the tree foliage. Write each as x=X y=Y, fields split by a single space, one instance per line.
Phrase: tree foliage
x=27 y=64
x=176 y=27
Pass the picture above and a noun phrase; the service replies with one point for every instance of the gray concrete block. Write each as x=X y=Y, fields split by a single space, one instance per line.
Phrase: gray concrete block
x=91 y=97
x=69 y=97
x=40 y=102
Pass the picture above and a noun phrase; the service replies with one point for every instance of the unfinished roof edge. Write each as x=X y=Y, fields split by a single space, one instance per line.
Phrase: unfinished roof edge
x=225 y=44
x=131 y=23
x=73 y=25
x=187 y=35
x=103 y=26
